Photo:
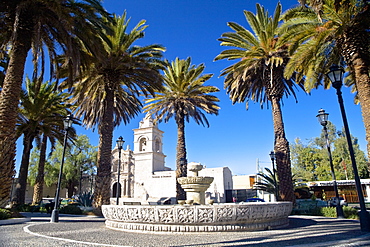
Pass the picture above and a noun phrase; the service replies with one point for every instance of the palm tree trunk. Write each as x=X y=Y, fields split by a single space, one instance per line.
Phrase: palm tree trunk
x=20 y=191
x=181 y=162
x=282 y=152
x=9 y=98
x=38 y=188
x=103 y=176
x=361 y=73
x=358 y=58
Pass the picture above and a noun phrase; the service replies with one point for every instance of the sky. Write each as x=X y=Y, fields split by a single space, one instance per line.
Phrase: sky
x=237 y=138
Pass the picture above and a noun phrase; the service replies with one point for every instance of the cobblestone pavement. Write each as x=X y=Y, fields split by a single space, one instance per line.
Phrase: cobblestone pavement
x=87 y=231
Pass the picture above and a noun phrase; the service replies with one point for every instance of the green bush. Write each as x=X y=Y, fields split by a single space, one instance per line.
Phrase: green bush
x=4 y=214
x=30 y=208
x=70 y=209
x=329 y=212
x=25 y=208
x=349 y=212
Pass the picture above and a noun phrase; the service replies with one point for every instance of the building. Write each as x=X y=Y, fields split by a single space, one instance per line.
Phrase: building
x=243 y=187
x=346 y=188
x=144 y=177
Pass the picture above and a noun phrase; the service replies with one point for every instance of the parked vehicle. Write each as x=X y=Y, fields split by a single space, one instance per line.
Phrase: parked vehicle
x=69 y=201
x=254 y=200
x=332 y=202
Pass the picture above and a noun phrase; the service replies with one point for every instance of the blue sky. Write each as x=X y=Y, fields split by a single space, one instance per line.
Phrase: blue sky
x=237 y=137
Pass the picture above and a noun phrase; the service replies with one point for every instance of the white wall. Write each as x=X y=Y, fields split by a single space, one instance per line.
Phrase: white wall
x=222 y=181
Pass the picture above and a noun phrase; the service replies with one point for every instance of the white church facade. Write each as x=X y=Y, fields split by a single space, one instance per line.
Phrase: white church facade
x=145 y=179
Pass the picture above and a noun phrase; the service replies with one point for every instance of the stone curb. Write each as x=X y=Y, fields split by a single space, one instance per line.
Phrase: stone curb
x=14 y=221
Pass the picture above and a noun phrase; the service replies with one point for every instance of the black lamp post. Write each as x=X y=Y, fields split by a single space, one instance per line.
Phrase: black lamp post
x=323 y=120
x=80 y=189
x=120 y=142
x=336 y=76
x=276 y=190
x=67 y=125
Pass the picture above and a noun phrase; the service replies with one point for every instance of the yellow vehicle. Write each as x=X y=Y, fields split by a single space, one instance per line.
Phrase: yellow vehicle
x=69 y=201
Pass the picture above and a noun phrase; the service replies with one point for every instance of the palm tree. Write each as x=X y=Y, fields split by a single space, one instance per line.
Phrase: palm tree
x=333 y=35
x=268 y=183
x=108 y=90
x=318 y=4
x=42 y=111
x=44 y=26
x=258 y=76
x=184 y=96
x=38 y=188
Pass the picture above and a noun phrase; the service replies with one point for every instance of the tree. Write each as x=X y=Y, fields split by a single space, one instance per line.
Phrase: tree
x=41 y=112
x=80 y=156
x=332 y=33
x=108 y=90
x=50 y=172
x=342 y=158
x=45 y=27
x=310 y=161
x=258 y=76
x=183 y=96
x=38 y=187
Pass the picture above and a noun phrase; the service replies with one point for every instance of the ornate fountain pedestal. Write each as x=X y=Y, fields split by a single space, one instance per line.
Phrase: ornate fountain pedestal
x=194 y=186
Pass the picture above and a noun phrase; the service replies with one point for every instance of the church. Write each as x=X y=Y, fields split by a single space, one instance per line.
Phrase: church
x=145 y=179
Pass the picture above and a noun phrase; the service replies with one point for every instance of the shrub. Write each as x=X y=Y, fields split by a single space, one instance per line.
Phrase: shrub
x=329 y=212
x=70 y=209
x=4 y=214
x=25 y=208
x=85 y=199
x=349 y=212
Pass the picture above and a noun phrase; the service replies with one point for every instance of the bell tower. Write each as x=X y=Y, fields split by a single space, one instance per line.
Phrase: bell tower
x=148 y=154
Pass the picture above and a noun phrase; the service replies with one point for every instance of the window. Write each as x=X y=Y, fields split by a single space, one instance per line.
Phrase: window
x=157 y=146
x=142 y=145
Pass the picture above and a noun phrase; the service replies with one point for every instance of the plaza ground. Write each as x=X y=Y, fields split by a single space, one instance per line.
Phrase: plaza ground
x=35 y=230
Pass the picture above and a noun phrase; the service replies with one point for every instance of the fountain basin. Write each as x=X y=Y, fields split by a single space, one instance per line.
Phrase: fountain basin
x=197 y=218
x=195 y=187
x=195 y=180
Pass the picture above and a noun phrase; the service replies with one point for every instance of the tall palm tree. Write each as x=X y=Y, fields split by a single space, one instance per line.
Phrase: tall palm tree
x=333 y=35
x=45 y=26
x=258 y=76
x=38 y=188
x=183 y=96
x=108 y=90
x=42 y=111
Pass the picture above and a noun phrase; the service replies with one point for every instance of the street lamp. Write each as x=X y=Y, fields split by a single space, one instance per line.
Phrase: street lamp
x=323 y=120
x=336 y=76
x=120 y=142
x=81 y=171
x=276 y=190
x=67 y=125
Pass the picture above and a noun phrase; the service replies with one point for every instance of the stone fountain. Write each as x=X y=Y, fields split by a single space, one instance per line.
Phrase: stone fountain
x=197 y=217
x=194 y=185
